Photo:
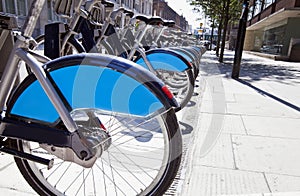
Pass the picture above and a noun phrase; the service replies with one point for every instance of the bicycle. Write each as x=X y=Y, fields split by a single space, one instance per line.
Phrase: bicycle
x=109 y=41
x=171 y=66
x=68 y=127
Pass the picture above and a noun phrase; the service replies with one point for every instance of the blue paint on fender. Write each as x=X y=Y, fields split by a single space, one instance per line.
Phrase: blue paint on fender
x=164 y=61
x=86 y=86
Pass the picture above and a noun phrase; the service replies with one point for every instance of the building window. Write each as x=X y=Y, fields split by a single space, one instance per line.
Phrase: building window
x=52 y=16
x=268 y=2
x=257 y=7
x=250 y=13
x=22 y=7
x=10 y=6
x=16 y=7
x=273 y=40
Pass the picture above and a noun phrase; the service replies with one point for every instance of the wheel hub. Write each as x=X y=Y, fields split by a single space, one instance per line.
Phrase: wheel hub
x=92 y=134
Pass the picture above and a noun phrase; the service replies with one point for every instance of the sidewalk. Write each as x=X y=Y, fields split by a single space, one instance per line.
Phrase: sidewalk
x=247 y=141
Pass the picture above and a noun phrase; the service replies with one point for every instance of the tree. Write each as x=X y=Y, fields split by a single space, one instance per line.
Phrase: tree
x=232 y=7
x=222 y=12
x=212 y=10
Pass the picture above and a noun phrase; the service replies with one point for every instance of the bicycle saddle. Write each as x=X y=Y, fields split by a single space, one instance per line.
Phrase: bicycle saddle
x=169 y=23
x=129 y=13
x=107 y=3
x=154 y=20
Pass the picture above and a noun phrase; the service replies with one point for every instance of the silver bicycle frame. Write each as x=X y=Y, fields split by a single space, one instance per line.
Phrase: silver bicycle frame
x=19 y=52
x=78 y=11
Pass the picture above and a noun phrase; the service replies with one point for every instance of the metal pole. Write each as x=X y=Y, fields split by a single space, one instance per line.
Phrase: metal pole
x=240 y=41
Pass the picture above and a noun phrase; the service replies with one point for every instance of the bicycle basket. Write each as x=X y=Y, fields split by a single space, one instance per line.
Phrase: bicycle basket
x=63 y=7
x=97 y=16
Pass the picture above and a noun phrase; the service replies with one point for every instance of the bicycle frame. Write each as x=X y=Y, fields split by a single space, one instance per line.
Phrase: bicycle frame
x=35 y=132
x=74 y=25
x=20 y=52
x=27 y=122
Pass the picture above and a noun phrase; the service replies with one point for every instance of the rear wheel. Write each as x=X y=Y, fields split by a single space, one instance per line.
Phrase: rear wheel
x=140 y=154
x=142 y=159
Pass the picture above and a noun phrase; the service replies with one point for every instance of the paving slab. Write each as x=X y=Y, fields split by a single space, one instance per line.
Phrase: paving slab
x=235 y=87
x=272 y=126
x=260 y=121
x=283 y=183
x=255 y=194
x=282 y=89
x=283 y=194
x=265 y=154
x=209 y=181
x=8 y=191
x=11 y=180
x=260 y=105
x=233 y=124
x=220 y=154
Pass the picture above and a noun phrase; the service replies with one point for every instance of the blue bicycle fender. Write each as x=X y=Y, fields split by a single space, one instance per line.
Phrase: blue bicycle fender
x=107 y=83
x=183 y=55
x=164 y=59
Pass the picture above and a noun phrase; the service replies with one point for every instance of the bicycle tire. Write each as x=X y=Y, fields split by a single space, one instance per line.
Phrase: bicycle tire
x=72 y=45
x=190 y=57
x=155 y=166
x=174 y=70
x=182 y=91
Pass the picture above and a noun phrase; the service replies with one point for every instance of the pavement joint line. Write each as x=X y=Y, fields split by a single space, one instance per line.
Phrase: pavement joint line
x=268 y=185
x=233 y=154
x=258 y=115
x=241 y=170
x=262 y=136
x=244 y=125
x=6 y=166
x=245 y=170
x=265 y=136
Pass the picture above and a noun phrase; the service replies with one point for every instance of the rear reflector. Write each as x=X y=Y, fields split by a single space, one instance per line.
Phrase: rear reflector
x=167 y=92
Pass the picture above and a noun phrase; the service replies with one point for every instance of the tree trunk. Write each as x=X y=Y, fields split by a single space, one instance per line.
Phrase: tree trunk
x=219 y=36
x=226 y=19
x=212 y=34
x=240 y=41
x=220 y=29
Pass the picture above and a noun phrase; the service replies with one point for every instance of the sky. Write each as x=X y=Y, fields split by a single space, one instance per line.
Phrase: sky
x=183 y=7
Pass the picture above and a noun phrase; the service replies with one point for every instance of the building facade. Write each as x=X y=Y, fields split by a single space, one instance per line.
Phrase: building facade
x=162 y=9
x=138 y=6
x=273 y=27
x=20 y=8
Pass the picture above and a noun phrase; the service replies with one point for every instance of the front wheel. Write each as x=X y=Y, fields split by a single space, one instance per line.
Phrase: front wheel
x=141 y=152
x=173 y=69
x=181 y=84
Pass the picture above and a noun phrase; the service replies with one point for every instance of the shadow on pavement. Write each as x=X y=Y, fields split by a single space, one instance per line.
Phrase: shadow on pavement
x=264 y=93
x=254 y=69
x=186 y=128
